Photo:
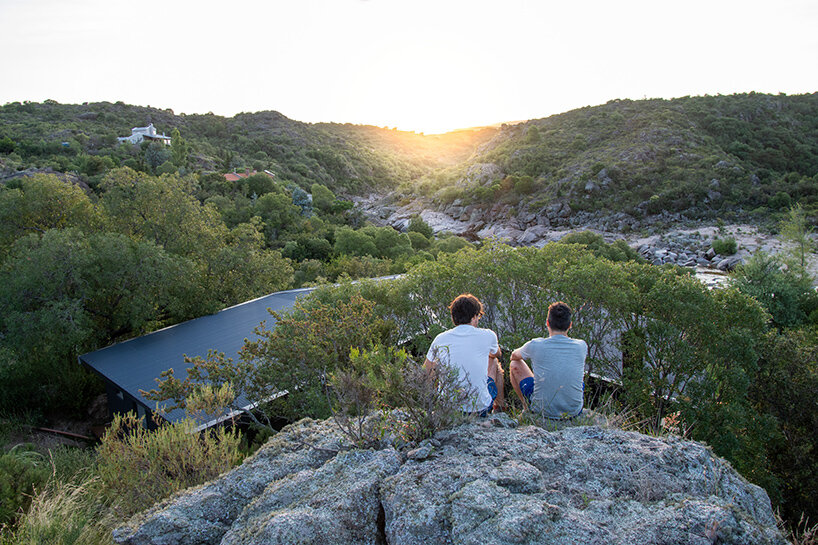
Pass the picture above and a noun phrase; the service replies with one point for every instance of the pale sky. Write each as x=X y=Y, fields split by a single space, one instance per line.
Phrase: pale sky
x=415 y=64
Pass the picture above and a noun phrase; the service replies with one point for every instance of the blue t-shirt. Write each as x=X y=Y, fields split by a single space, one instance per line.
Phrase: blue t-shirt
x=558 y=364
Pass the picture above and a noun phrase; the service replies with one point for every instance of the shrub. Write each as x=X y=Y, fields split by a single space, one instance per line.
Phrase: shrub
x=783 y=294
x=139 y=467
x=725 y=246
x=418 y=240
x=22 y=471
x=390 y=380
x=418 y=225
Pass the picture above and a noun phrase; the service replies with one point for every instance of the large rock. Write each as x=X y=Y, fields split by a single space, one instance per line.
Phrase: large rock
x=477 y=484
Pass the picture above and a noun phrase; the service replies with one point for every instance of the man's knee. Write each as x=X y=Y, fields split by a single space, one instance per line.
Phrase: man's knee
x=515 y=367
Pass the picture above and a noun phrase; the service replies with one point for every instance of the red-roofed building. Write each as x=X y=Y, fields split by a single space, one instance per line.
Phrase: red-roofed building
x=236 y=176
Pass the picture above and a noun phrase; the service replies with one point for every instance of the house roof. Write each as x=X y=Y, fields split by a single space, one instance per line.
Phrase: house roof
x=134 y=365
x=236 y=176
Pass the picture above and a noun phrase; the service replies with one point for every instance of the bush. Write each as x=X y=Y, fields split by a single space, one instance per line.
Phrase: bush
x=615 y=251
x=138 y=467
x=725 y=246
x=418 y=225
x=419 y=241
x=390 y=380
x=785 y=386
x=783 y=294
x=22 y=472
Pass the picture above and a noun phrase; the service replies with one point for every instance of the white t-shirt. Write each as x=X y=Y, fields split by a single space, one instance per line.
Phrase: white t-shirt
x=467 y=348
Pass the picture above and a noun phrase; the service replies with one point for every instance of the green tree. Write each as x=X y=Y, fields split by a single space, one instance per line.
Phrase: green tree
x=258 y=185
x=278 y=213
x=155 y=153
x=419 y=242
x=179 y=149
x=418 y=225
x=6 y=145
x=784 y=295
x=784 y=387
x=322 y=198
x=389 y=243
x=161 y=210
x=43 y=202
x=351 y=242
x=797 y=232
x=67 y=292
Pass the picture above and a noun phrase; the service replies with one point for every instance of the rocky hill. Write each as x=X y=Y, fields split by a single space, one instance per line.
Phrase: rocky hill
x=485 y=482
x=624 y=165
x=623 y=162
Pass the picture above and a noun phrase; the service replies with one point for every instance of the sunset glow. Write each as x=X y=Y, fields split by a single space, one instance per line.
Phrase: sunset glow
x=420 y=65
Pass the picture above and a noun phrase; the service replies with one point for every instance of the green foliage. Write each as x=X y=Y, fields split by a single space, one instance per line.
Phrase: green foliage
x=138 y=467
x=796 y=231
x=418 y=240
x=301 y=199
x=155 y=154
x=448 y=245
x=615 y=251
x=356 y=243
x=179 y=149
x=322 y=198
x=787 y=297
x=6 y=145
x=166 y=168
x=67 y=292
x=418 y=225
x=258 y=185
x=40 y=203
x=22 y=471
x=389 y=380
x=785 y=386
x=725 y=246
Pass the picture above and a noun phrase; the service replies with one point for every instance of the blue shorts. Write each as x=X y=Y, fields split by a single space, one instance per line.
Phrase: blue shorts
x=527 y=388
x=492 y=386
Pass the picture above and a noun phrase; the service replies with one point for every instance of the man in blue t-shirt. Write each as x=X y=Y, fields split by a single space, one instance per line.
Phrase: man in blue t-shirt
x=554 y=387
x=474 y=352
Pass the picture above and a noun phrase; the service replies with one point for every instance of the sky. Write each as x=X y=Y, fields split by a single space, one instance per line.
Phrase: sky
x=427 y=66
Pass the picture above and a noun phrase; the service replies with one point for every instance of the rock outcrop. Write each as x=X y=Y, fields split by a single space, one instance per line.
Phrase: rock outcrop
x=484 y=482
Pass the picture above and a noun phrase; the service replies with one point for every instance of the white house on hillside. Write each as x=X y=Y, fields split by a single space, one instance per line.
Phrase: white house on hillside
x=138 y=134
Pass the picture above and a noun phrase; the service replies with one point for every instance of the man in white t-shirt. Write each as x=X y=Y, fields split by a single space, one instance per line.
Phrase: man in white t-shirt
x=474 y=352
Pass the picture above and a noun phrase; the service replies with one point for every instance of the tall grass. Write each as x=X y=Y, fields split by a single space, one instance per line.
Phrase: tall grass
x=65 y=514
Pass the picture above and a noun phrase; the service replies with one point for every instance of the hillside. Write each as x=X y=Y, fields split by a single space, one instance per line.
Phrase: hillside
x=736 y=156
x=347 y=158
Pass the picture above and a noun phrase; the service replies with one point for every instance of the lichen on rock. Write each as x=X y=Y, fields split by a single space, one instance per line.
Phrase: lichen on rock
x=478 y=483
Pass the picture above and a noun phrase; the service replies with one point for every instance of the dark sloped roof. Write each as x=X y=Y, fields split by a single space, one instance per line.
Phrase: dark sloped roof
x=135 y=364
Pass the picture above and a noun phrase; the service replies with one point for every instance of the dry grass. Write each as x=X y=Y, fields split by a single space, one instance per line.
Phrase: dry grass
x=64 y=514
x=801 y=534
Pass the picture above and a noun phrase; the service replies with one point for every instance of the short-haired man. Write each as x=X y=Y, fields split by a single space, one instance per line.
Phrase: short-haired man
x=474 y=352
x=554 y=388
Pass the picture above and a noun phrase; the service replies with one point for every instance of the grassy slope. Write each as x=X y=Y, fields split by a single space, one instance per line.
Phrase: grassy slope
x=646 y=156
x=701 y=156
x=346 y=158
